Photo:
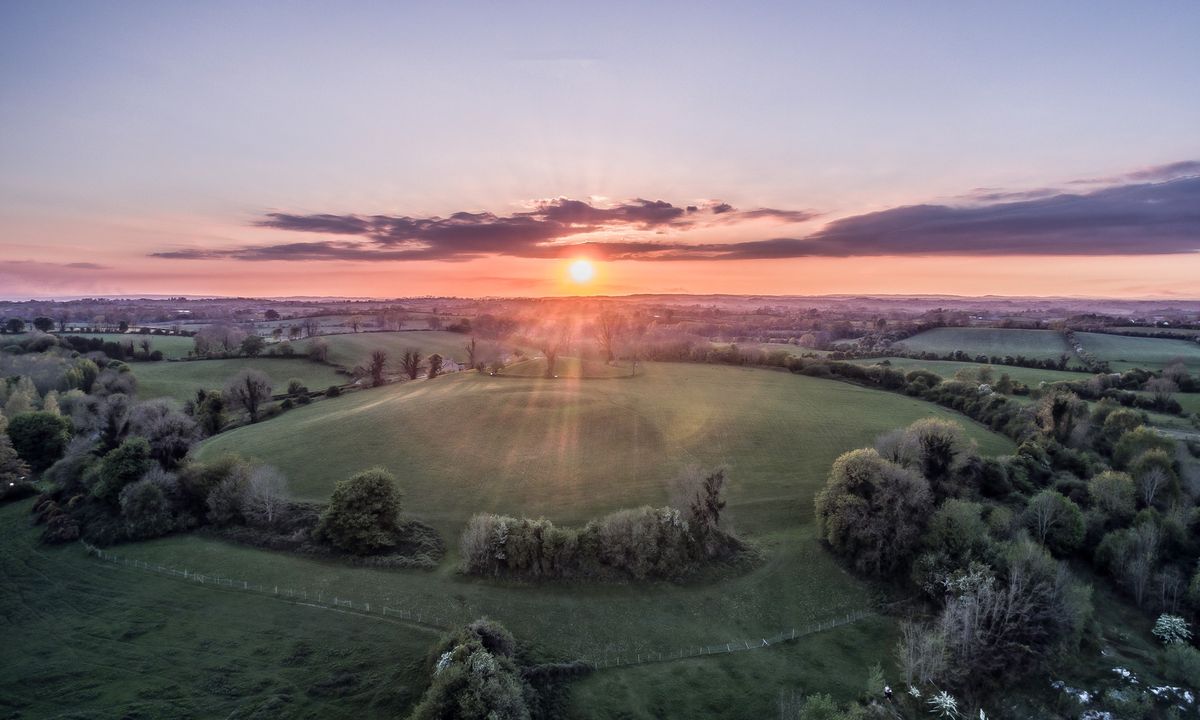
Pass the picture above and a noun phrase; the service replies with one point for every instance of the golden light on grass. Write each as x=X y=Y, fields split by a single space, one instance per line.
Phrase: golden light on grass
x=581 y=271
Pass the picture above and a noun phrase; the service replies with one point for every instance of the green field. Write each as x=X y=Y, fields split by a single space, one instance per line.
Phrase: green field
x=567 y=367
x=353 y=349
x=947 y=369
x=1123 y=353
x=171 y=346
x=571 y=450
x=1040 y=344
x=180 y=380
x=1147 y=330
x=86 y=639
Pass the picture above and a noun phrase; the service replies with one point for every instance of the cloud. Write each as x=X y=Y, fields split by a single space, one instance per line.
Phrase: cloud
x=1134 y=218
x=1153 y=173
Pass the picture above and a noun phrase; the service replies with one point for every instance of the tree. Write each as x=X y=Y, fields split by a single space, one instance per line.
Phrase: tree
x=552 y=339
x=472 y=354
x=1061 y=415
x=318 y=351
x=701 y=494
x=120 y=467
x=218 y=338
x=14 y=326
x=312 y=327
x=252 y=345
x=1172 y=630
x=356 y=322
x=1162 y=389
x=609 y=326
x=410 y=364
x=271 y=314
x=1154 y=472
x=170 y=433
x=12 y=468
x=363 y=513
x=435 y=366
x=249 y=389
x=39 y=438
x=376 y=366
x=1112 y=492
x=435 y=322
x=1055 y=521
x=871 y=511
x=209 y=411
x=145 y=510
x=935 y=448
x=1137 y=441
x=44 y=324
x=265 y=496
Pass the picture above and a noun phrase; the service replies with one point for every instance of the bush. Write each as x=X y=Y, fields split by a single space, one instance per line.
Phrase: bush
x=363 y=514
x=474 y=682
x=1181 y=664
x=145 y=510
x=39 y=438
x=333 y=391
x=120 y=467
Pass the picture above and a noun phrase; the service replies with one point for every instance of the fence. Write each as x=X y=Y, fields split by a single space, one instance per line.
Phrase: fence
x=319 y=598
x=611 y=661
x=420 y=616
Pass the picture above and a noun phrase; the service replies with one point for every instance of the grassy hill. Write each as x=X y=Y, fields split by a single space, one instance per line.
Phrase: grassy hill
x=353 y=349
x=1123 y=352
x=1040 y=344
x=567 y=367
x=85 y=639
x=180 y=380
x=572 y=449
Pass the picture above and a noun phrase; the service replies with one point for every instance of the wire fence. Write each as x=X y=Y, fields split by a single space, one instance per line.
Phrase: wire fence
x=733 y=646
x=421 y=616
x=321 y=598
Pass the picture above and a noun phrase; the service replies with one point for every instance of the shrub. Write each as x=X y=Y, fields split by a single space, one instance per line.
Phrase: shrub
x=39 y=437
x=333 y=391
x=471 y=681
x=1172 y=630
x=120 y=467
x=1181 y=664
x=145 y=510
x=1055 y=521
x=362 y=516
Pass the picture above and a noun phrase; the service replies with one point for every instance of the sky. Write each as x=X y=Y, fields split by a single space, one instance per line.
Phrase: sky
x=477 y=149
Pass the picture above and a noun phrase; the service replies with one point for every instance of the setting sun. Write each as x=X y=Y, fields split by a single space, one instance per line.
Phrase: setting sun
x=581 y=271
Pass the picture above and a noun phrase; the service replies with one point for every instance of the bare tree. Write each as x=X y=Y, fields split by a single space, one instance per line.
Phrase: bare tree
x=1150 y=482
x=1138 y=565
x=1162 y=388
x=356 y=322
x=249 y=389
x=553 y=339
x=610 y=326
x=312 y=327
x=265 y=496
x=410 y=364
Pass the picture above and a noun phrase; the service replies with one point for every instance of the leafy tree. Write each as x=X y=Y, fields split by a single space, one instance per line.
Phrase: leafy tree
x=410 y=364
x=871 y=511
x=1061 y=414
x=1172 y=630
x=435 y=366
x=363 y=513
x=376 y=366
x=249 y=389
x=472 y=349
x=252 y=345
x=610 y=326
x=1112 y=492
x=475 y=678
x=15 y=325
x=39 y=438
x=1137 y=441
x=318 y=350
x=1154 y=473
x=170 y=433
x=44 y=324
x=12 y=468
x=145 y=510
x=209 y=411
x=119 y=467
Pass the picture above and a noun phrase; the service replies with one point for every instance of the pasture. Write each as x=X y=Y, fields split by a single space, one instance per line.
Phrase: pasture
x=352 y=349
x=573 y=449
x=171 y=346
x=948 y=368
x=85 y=639
x=1039 y=344
x=1123 y=352
x=180 y=380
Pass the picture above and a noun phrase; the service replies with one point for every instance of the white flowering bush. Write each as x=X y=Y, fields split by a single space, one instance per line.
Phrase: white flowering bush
x=1172 y=630
x=944 y=705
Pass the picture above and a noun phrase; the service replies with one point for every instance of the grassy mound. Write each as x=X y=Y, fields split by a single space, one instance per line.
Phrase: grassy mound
x=180 y=380
x=572 y=450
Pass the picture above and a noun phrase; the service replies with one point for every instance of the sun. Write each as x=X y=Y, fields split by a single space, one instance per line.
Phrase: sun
x=581 y=271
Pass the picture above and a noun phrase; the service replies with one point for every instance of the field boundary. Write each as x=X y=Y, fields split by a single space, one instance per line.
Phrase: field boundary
x=317 y=598
x=379 y=611
x=609 y=661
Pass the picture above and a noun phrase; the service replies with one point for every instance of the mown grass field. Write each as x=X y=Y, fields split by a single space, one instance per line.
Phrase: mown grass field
x=171 y=346
x=86 y=639
x=570 y=450
x=1040 y=344
x=567 y=367
x=1123 y=353
x=353 y=349
x=180 y=380
x=947 y=369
